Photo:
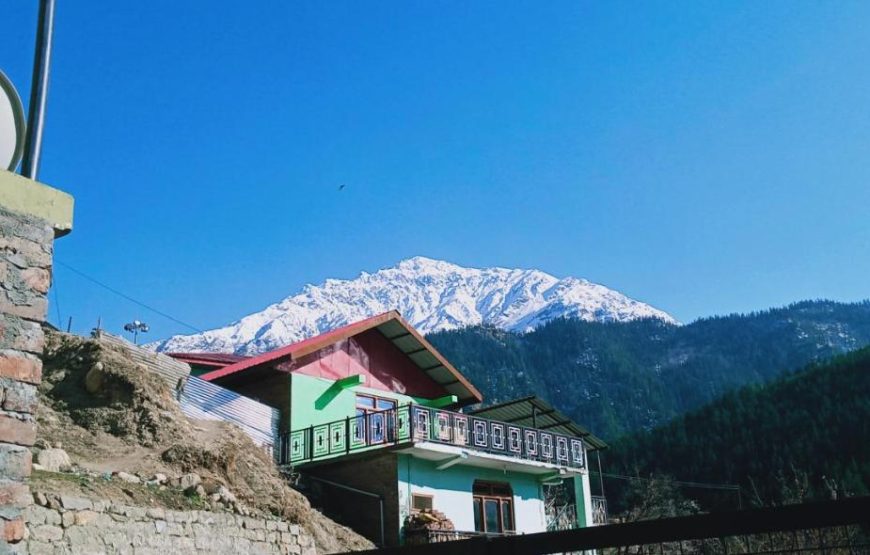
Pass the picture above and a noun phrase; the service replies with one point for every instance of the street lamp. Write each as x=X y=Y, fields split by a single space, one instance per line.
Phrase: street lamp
x=135 y=327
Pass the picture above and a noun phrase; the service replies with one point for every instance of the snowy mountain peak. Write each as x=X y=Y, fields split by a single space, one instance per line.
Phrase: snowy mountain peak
x=433 y=295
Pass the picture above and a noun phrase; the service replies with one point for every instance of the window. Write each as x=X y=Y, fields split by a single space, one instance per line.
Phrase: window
x=420 y=502
x=493 y=507
x=373 y=425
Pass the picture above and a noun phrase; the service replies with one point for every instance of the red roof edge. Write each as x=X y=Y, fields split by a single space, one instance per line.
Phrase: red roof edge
x=289 y=350
x=213 y=359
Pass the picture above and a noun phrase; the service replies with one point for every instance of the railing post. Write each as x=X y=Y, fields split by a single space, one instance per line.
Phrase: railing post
x=311 y=442
x=347 y=434
x=411 y=422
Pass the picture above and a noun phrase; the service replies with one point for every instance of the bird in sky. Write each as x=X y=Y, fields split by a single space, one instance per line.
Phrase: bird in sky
x=341 y=187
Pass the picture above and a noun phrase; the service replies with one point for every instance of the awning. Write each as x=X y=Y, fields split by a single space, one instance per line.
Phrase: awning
x=534 y=412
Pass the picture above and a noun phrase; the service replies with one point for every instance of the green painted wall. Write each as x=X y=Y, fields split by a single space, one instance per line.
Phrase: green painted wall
x=580 y=500
x=315 y=401
x=451 y=491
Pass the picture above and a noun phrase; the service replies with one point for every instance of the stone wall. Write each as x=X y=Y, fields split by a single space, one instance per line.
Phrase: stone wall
x=25 y=276
x=65 y=524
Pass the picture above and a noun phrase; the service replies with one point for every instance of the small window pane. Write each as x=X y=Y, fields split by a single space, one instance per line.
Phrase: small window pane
x=478 y=516
x=507 y=517
x=365 y=402
x=491 y=508
x=386 y=404
x=421 y=502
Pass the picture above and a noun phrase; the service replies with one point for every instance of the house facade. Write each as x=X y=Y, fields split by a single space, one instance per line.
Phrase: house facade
x=375 y=422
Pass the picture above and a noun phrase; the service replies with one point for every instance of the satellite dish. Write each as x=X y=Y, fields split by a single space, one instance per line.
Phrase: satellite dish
x=11 y=125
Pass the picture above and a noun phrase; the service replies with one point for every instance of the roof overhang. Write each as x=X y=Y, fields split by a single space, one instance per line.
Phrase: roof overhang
x=394 y=328
x=448 y=455
x=534 y=412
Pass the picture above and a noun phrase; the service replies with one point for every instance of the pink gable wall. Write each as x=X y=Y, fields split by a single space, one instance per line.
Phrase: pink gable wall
x=374 y=356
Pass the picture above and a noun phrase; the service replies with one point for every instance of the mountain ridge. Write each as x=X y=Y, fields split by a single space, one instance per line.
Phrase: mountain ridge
x=622 y=377
x=433 y=295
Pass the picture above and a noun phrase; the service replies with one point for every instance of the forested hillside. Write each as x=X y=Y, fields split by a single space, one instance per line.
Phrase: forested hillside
x=617 y=378
x=815 y=422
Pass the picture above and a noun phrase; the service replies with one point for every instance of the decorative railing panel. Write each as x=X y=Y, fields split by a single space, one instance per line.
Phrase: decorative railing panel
x=599 y=510
x=500 y=438
x=417 y=423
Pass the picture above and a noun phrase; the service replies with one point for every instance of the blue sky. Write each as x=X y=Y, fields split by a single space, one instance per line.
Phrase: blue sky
x=705 y=157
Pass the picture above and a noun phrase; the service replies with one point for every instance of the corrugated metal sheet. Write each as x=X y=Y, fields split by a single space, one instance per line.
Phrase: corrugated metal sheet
x=207 y=401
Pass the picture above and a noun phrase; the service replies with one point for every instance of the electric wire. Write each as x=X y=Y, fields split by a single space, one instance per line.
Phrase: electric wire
x=127 y=297
x=701 y=485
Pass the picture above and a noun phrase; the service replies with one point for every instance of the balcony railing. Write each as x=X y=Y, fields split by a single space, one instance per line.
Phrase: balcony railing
x=599 y=510
x=410 y=424
x=422 y=536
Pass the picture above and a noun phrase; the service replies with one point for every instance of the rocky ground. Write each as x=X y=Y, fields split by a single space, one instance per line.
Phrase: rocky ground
x=111 y=430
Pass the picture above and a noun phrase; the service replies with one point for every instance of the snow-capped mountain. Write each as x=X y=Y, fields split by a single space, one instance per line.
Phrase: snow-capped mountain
x=433 y=295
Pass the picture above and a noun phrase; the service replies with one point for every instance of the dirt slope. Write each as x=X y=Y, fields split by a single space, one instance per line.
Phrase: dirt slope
x=110 y=414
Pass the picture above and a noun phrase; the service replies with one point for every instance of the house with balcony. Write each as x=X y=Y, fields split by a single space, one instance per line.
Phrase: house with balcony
x=374 y=421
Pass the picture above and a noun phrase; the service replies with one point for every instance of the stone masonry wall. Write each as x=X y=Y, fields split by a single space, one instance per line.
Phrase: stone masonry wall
x=25 y=276
x=64 y=525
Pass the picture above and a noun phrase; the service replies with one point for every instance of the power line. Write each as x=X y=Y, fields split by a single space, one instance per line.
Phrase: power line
x=702 y=485
x=125 y=296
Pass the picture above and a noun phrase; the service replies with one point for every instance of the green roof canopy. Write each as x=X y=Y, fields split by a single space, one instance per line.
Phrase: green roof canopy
x=534 y=412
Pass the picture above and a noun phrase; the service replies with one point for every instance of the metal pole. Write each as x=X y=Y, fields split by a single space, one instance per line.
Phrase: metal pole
x=38 y=90
x=600 y=475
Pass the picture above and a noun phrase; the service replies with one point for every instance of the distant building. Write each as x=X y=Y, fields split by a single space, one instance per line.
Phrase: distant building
x=370 y=423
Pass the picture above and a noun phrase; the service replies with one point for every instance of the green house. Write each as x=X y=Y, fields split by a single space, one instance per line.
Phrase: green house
x=375 y=424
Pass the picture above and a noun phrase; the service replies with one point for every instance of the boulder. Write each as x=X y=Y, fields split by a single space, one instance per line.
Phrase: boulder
x=225 y=495
x=129 y=478
x=94 y=378
x=189 y=481
x=53 y=460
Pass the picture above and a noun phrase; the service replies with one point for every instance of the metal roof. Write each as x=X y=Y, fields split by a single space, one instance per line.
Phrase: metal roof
x=534 y=412
x=399 y=332
x=208 y=359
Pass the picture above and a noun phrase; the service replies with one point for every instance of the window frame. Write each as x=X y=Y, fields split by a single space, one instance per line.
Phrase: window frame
x=502 y=494
x=414 y=496
x=362 y=413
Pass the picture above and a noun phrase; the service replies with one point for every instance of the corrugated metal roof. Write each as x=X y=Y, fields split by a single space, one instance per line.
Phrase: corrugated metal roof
x=207 y=401
x=208 y=359
x=534 y=412
x=394 y=328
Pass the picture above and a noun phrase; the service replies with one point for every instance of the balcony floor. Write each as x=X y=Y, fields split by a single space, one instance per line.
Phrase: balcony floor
x=463 y=455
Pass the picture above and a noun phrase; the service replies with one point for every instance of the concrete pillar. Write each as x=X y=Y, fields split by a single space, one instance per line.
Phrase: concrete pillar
x=31 y=216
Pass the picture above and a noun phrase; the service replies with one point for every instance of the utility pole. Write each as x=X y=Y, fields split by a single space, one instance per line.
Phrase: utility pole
x=38 y=90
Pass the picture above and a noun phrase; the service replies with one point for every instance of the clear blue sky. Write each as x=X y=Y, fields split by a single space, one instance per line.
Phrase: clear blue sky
x=706 y=157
